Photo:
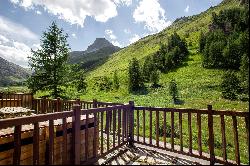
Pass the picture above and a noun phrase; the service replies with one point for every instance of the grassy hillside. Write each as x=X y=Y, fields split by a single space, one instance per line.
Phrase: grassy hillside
x=188 y=29
x=197 y=86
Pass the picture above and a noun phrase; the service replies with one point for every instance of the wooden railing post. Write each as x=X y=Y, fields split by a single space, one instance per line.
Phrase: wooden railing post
x=131 y=123
x=94 y=103
x=76 y=143
x=58 y=105
x=211 y=134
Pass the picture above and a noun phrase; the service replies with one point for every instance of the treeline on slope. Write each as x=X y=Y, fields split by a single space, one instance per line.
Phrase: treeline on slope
x=225 y=46
x=168 y=57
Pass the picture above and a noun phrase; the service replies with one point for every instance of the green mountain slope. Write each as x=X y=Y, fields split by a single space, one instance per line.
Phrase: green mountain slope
x=197 y=86
x=12 y=74
x=187 y=27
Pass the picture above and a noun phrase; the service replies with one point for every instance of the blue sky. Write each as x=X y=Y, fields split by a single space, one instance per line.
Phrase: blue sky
x=122 y=22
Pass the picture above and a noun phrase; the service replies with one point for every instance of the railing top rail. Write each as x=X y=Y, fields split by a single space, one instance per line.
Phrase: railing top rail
x=109 y=103
x=102 y=109
x=202 y=111
x=4 y=123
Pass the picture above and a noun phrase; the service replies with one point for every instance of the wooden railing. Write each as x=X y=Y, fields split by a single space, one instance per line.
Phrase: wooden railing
x=120 y=131
x=129 y=121
x=16 y=100
x=201 y=115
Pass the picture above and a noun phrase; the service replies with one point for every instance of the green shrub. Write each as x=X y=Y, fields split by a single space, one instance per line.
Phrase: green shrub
x=230 y=85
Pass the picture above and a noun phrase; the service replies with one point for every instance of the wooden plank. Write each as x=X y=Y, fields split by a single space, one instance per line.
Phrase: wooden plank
x=247 y=133
x=95 y=134
x=86 y=136
x=164 y=129
x=17 y=145
x=150 y=127
x=144 y=128
x=190 y=132
x=223 y=137
x=137 y=125
x=236 y=140
x=4 y=123
x=36 y=144
x=119 y=126
x=107 y=126
x=199 y=134
x=157 y=128
x=114 y=127
x=181 y=134
x=211 y=135
x=102 y=132
x=64 y=155
x=123 y=126
x=51 y=142
x=172 y=130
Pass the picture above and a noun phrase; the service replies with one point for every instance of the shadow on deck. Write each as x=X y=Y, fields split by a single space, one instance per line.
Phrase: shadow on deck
x=144 y=155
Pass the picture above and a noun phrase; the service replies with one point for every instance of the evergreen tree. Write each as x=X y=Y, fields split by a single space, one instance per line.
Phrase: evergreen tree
x=116 y=81
x=49 y=63
x=230 y=85
x=244 y=74
x=173 y=91
x=147 y=68
x=135 y=76
x=154 y=77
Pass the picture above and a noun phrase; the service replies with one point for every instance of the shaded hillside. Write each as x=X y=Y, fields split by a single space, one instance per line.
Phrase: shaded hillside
x=11 y=74
x=95 y=55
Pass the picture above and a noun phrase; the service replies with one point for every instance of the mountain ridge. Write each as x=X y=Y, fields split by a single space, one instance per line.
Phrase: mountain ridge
x=12 y=74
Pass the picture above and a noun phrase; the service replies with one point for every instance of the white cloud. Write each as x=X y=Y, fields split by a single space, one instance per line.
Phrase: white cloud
x=73 y=35
x=187 y=9
x=38 y=12
x=123 y=2
x=3 y=39
x=152 y=15
x=16 y=42
x=127 y=31
x=15 y=31
x=74 y=11
x=116 y=43
x=134 y=39
x=110 y=34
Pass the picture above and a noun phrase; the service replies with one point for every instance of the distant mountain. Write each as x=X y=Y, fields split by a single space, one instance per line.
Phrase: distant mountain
x=95 y=55
x=12 y=74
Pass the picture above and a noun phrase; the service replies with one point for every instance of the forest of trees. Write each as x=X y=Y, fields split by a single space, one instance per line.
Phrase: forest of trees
x=225 y=46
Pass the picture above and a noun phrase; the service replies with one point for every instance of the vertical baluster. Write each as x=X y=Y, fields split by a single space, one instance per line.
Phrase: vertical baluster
x=144 y=126
x=51 y=142
x=223 y=136
x=199 y=133
x=211 y=134
x=36 y=144
x=107 y=126
x=164 y=128
x=17 y=145
x=150 y=127
x=95 y=134
x=172 y=130
x=114 y=127
x=180 y=128
x=119 y=125
x=101 y=132
x=236 y=140
x=86 y=136
x=123 y=125
x=137 y=125
x=190 y=132
x=157 y=128
x=247 y=133
x=65 y=149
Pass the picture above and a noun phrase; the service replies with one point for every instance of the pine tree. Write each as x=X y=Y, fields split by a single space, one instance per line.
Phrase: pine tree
x=135 y=76
x=49 y=63
x=147 y=68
